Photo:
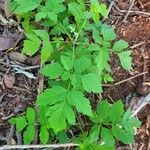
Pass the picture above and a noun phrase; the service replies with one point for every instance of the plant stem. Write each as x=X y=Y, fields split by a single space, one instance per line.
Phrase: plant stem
x=59 y=23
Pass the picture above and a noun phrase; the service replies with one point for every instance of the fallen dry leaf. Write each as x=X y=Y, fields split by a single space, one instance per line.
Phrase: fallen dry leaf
x=9 y=41
x=6 y=42
x=9 y=81
x=16 y=56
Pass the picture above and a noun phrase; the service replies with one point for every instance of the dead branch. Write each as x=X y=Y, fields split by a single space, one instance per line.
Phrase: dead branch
x=10 y=147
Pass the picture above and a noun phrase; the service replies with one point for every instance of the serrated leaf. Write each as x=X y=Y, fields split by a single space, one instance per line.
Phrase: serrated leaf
x=67 y=62
x=127 y=117
x=12 y=121
x=107 y=137
x=55 y=6
x=62 y=137
x=44 y=135
x=107 y=78
x=52 y=96
x=70 y=115
x=108 y=34
x=76 y=11
x=57 y=116
x=52 y=16
x=120 y=45
x=52 y=71
x=91 y=83
x=40 y=15
x=81 y=103
x=46 y=51
x=116 y=112
x=103 y=109
x=25 y=6
x=125 y=59
x=30 y=115
x=103 y=10
x=102 y=59
x=42 y=34
x=32 y=45
x=129 y=122
x=66 y=75
x=28 y=135
x=94 y=134
x=76 y=81
x=82 y=64
x=95 y=10
x=21 y=123
x=122 y=135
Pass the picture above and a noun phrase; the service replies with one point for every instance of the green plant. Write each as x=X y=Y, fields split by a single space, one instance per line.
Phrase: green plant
x=76 y=49
x=111 y=123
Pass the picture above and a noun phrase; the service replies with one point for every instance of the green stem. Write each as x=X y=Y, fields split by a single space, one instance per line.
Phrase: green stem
x=59 y=23
x=80 y=30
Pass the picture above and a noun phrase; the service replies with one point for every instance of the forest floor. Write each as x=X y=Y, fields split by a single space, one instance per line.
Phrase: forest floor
x=17 y=91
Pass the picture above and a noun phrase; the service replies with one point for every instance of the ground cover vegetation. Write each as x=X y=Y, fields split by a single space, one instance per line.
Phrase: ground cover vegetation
x=75 y=49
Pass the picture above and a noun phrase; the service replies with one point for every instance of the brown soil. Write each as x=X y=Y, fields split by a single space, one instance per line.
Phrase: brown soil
x=135 y=30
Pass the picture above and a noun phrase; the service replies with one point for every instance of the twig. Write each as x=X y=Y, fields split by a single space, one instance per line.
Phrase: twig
x=148 y=3
x=2 y=96
x=110 y=7
x=10 y=147
x=26 y=68
x=39 y=90
x=136 y=45
x=19 y=138
x=7 y=117
x=124 y=11
x=120 y=82
x=126 y=16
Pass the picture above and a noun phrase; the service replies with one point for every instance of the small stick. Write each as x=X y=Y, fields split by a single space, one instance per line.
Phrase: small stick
x=140 y=74
x=124 y=11
x=19 y=138
x=110 y=7
x=10 y=147
x=136 y=45
x=126 y=16
x=146 y=4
